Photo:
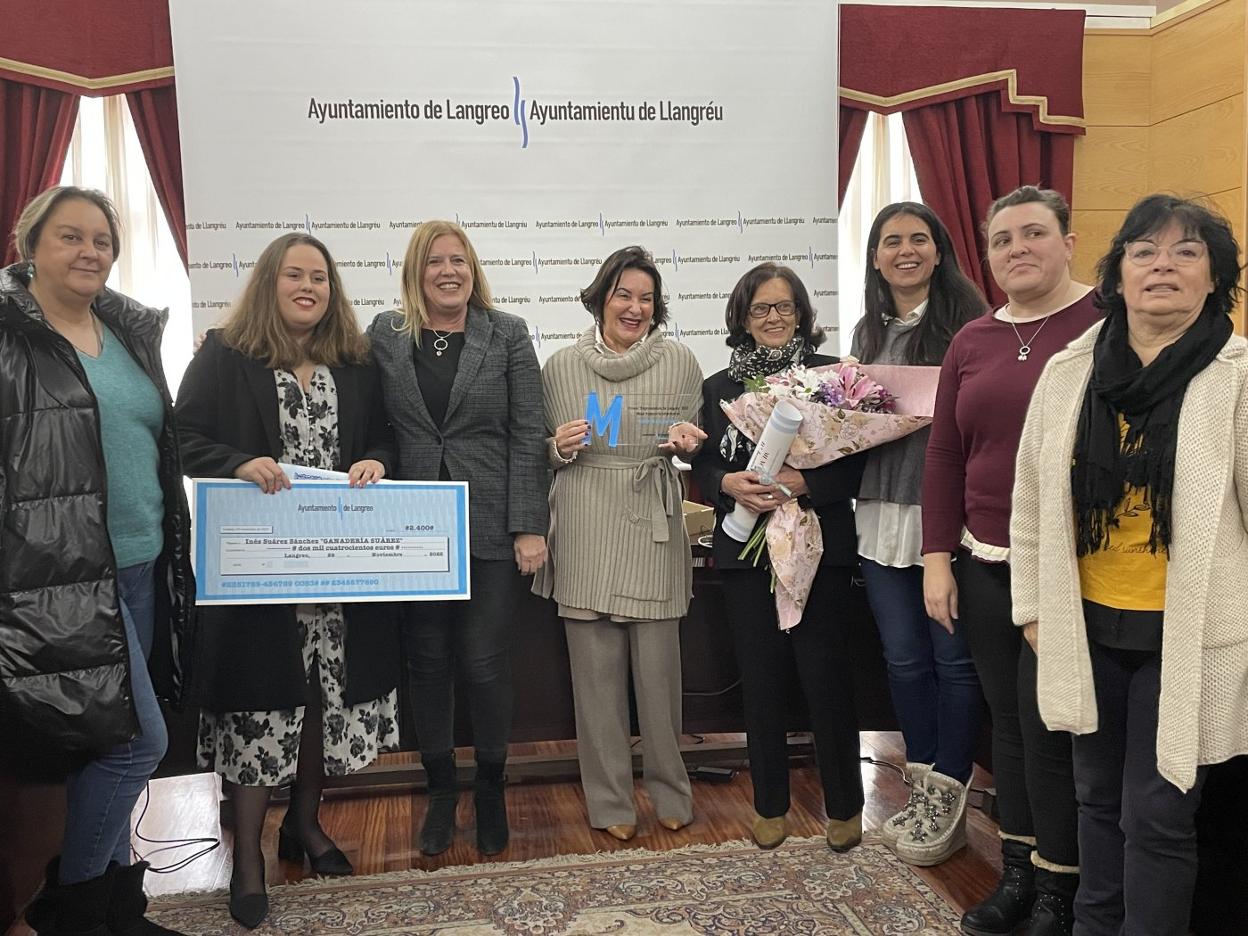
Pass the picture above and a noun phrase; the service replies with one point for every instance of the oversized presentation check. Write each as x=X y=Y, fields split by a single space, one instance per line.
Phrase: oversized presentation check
x=325 y=541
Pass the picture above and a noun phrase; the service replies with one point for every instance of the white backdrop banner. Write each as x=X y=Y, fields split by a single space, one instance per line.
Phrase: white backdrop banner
x=554 y=131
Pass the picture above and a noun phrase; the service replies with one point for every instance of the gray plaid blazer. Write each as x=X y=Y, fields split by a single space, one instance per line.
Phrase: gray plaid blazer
x=494 y=433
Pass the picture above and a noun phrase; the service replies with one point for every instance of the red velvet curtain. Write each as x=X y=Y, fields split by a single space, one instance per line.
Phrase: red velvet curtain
x=970 y=151
x=852 y=123
x=155 y=113
x=36 y=125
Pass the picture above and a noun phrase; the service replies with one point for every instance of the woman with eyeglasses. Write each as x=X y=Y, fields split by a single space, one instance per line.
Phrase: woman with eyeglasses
x=917 y=299
x=1138 y=484
x=986 y=381
x=771 y=327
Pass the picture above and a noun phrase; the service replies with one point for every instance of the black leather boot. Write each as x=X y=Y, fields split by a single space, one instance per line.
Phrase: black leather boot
x=127 y=905
x=491 y=806
x=438 y=830
x=1009 y=906
x=1053 y=913
x=75 y=909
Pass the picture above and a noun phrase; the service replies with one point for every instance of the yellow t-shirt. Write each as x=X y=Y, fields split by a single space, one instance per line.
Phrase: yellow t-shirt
x=1124 y=574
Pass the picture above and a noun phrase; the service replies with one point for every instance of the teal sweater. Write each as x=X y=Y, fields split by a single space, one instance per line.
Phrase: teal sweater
x=131 y=419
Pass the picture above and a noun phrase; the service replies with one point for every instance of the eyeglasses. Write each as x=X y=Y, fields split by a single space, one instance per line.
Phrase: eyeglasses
x=760 y=310
x=1184 y=253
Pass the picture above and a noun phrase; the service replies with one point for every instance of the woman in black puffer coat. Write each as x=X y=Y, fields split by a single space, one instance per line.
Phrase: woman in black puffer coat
x=95 y=575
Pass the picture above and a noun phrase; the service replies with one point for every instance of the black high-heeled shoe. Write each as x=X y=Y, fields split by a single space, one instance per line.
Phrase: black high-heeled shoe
x=331 y=862
x=248 y=910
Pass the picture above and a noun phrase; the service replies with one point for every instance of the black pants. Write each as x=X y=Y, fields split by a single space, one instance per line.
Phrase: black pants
x=1030 y=764
x=1137 y=831
x=767 y=657
x=472 y=640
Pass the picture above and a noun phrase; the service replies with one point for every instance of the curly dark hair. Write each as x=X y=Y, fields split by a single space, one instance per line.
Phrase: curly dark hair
x=1151 y=214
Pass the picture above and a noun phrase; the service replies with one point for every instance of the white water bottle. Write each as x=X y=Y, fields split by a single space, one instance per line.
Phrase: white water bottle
x=769 y=455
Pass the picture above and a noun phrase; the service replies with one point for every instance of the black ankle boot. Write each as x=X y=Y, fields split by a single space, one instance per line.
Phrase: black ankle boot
x=491 y=805
x=438 y=830
x=1053 y=913
x=127 y=905
x=1009 y=906
x=78 y=909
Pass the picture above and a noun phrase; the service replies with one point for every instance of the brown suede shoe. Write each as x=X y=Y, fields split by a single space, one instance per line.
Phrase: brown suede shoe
x=844 y=834
x=768 y=833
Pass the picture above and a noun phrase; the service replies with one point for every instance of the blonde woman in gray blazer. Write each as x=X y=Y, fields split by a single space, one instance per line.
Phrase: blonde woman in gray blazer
x=463 y=391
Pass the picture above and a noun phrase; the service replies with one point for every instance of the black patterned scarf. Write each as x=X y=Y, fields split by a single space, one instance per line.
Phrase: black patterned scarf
x=1106 y=463
x=749 y=360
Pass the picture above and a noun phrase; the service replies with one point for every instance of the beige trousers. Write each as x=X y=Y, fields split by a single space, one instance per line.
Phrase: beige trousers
x=601 y=653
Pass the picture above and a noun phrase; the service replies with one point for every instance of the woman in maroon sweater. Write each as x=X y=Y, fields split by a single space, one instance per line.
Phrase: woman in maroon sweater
x=986 y=381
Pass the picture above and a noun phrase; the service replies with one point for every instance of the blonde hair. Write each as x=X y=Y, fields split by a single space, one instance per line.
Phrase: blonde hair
x=255 y=327
x=412 y=310
x=36 y=213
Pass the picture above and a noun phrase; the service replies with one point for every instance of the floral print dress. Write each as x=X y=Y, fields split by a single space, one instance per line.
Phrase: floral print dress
x=262 y=748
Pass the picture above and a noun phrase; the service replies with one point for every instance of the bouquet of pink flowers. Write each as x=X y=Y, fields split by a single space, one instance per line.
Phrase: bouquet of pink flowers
x=846 y=408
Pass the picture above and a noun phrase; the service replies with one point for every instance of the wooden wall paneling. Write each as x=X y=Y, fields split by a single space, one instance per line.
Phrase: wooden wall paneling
x=1093 y=232
x=1111 y=167
x=1231 y=204
x=1198 y=61
x=1242 y=219
x=1116 y=79
x=1199 y=152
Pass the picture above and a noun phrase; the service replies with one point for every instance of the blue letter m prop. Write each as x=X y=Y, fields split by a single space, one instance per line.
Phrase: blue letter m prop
x=607 y=424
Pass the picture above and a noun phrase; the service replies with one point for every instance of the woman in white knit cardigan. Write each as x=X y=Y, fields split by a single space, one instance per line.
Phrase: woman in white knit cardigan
x=619 y=403
x=1127 y=541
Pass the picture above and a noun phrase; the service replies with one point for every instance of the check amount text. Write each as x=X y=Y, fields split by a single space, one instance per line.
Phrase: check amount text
x=316 y=555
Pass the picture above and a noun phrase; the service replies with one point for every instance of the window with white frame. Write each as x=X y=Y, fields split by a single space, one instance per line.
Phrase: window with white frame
x=883 y=174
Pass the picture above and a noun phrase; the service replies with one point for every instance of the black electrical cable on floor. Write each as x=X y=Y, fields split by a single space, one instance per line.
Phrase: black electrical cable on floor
x=211 y=841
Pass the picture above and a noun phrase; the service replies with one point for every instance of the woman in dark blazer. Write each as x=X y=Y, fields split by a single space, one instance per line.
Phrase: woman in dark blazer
x=463 y=391
x=289 y=693
x=771 y=327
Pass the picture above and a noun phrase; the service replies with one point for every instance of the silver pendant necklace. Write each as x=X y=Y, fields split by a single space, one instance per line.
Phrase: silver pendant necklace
x=440 y=342
x=1024 y=347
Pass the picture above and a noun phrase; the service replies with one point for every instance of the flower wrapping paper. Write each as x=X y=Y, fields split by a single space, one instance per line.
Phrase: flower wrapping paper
x=794 y=539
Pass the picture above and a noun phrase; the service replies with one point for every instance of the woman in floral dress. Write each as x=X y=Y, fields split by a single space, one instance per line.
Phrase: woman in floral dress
x=292 y=693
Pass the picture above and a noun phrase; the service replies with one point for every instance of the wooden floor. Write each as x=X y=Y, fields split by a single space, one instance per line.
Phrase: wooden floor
x=379 y=832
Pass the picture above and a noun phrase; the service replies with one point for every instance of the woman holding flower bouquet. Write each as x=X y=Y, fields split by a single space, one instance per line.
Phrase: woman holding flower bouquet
x=986 y=382
x=916 y=300
x=771 y=328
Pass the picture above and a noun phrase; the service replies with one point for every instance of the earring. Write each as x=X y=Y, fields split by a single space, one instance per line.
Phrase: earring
x=31 y=267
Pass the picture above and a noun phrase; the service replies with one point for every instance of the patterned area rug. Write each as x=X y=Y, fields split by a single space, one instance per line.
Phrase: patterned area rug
x=734 y=888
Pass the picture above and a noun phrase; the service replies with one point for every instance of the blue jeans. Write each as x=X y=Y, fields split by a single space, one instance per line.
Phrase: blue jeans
x=101 y=795
x=931 y=675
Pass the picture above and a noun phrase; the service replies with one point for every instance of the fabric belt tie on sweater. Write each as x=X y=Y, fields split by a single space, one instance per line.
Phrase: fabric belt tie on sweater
x=658 y=473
